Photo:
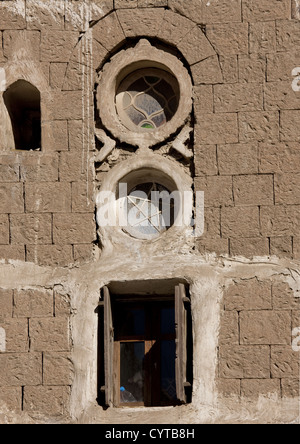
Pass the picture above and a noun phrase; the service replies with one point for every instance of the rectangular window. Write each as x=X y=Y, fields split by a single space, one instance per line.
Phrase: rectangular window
x=145 y=354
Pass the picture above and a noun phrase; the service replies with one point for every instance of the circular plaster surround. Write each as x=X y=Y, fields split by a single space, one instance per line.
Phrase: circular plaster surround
x=141 y=169
x=143 y=56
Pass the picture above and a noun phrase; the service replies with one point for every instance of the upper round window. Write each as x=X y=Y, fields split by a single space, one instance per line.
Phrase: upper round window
x=144 y=95
x=147 y=99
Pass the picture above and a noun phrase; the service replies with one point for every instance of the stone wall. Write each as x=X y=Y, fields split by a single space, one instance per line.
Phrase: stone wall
x=243 y=272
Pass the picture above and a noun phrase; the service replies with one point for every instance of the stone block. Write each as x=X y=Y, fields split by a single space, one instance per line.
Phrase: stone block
x=280 y=96
x=228 y=39
x=57 y=75
x=50 y=255
x=229 y=67
x=45 y=14
x=290 y=130
x=219 y=11
x=49 y=334
x=240 y=158
x=62 y=304
x=229 y=329
x=239 y=222
x=212 y=223
x=74 y=78
x=262 y=38
x=83 y=253
x=75 y=131
x=205 y=160
x=238 y=362
x=55 y=135
x=207 y=72
x=23 y=369
x=16 y=332
x=259 y=126
x=279 y=158
x=234 y=98
x=217 y=190
x=109 y=32
x=256 y=388
x=290 y=388
x=284 y=362
x=31 y=229
x=79 y=15
x=4 y=229
x=280 y=220
x=9 y=169
x=57 y=46
x=265 y=328
x=252 y=68
x=33 y=303
x=284 y=297
x=58 y=369
x=281 y=64
x=6 y=298
x=13 y=14
x=28 y=41
x=281 y=246
x=195 y=46
x=73 y=168
x=53 y=401
x=288 y=35
x=266 y=10
x=174 y=27
x=42 y=168
x=11 y=198
x=228 y=388
x=74 y=229
x=253 y=190
x=11 y=398
x=139 y=22
x=217 y=129
x=203 y=99
x=249 y=247
x=48 y=197
x=12 y=252
x=64 y=105
x=248 y=295
x=82 y=197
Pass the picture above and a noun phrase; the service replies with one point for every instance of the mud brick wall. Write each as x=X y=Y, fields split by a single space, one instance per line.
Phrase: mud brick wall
x=247 y=140
x=35 y=365
x=256 y=356
x=47 y=214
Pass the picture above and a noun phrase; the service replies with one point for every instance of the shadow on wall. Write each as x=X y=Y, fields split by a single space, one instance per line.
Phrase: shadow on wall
x=23 y=103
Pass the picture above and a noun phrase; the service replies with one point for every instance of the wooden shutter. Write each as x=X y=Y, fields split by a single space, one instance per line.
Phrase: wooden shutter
x=108 y=348
x=181 y=300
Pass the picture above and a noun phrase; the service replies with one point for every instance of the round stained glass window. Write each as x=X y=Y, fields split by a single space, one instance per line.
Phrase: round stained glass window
x=150 y=211
x=147 y=99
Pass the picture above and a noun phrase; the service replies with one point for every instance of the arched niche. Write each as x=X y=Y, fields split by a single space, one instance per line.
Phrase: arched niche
x=23 y=103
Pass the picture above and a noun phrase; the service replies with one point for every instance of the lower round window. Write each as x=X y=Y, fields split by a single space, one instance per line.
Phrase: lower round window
x=147 y=99
x=150 y=210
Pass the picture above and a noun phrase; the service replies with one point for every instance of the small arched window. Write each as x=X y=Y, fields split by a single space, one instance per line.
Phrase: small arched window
x=23 y=103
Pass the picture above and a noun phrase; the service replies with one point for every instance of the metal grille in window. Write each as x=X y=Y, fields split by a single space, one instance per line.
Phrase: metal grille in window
x=147 y=99
x=150 y=210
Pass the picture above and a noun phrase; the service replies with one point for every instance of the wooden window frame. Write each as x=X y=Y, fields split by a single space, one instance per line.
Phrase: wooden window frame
x=111 y=350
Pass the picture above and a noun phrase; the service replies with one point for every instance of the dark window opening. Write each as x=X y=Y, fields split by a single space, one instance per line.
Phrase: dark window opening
x=23 y=103
x=145 y=349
